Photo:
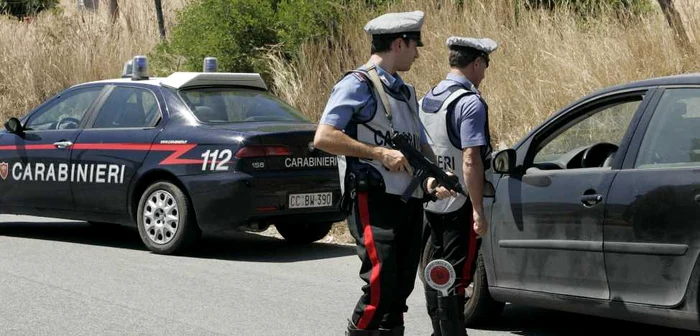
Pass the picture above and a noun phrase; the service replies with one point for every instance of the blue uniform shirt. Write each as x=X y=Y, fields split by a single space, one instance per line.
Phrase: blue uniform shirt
x=352 y=97
x=469 y=117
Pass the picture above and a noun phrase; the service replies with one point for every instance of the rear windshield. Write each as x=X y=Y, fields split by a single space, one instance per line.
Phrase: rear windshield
x=233 y=105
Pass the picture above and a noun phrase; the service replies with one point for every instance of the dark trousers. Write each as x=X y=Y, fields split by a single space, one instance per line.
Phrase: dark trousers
x=453 y=239
x=388 y=236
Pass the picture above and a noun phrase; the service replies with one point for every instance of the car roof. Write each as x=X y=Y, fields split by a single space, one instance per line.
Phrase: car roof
x=183 y=80
x=682 y=79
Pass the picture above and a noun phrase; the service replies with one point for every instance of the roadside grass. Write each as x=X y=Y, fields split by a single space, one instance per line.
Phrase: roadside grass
x=545 y=60
x=53 y=51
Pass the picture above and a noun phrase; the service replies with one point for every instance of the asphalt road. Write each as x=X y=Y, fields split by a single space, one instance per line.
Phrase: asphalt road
x=69 y=278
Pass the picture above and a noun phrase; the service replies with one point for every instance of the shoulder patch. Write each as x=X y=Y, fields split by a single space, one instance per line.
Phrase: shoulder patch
x=360 y=76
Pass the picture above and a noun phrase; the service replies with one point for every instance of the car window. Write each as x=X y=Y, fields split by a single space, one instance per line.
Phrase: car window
x=128 y=107
x=673 y=136
x=232 y=105
x=66 y=112
x=564 y=149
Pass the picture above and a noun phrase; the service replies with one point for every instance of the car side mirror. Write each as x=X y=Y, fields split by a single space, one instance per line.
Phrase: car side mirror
x=504 y=161
x=13 y=125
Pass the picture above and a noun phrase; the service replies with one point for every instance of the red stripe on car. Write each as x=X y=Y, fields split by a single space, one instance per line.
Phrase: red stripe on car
x=173 y=159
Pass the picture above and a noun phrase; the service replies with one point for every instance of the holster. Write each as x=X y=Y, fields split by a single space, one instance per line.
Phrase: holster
x=355 y=182
x=349 y=193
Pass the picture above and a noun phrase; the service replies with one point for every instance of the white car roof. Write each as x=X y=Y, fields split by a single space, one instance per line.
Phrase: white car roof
x=182 y=80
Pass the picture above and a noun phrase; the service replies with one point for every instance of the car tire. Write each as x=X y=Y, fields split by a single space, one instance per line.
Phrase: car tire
x=166 y=220
x=479 y=308
x=303 y=233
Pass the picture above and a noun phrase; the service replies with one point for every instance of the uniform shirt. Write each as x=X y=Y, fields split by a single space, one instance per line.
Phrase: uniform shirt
x=467 y=115
x=352 y=97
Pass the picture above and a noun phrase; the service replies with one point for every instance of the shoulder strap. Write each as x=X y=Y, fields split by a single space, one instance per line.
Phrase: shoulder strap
x=459 y=93
x=374 y=78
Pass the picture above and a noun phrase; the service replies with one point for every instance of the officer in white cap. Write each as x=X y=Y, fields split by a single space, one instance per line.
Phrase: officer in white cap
x=366 y=105
x=456 y=116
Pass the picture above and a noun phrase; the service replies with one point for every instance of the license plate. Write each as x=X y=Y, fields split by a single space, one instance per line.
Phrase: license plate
x=313 y=200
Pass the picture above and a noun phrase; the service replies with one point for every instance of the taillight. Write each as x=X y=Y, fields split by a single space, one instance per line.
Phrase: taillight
x=259 y=151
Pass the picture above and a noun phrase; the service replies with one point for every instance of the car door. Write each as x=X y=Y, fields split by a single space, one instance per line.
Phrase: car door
x=35 y=165
x=547 y=218
x=652 y=231
x=113 y=146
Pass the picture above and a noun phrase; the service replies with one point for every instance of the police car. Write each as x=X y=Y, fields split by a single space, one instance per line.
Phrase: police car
x=174 y=156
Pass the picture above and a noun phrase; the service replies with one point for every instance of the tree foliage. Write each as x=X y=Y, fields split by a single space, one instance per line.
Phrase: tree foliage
x=23 y=8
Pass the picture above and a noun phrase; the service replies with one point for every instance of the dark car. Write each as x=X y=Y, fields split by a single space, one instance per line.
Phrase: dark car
x=173 y=156
x=597 y=210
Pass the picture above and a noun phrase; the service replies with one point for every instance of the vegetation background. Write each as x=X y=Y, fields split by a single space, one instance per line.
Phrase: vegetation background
x=550 y=52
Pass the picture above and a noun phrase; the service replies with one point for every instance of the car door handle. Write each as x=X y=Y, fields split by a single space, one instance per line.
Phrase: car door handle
x=62 y=144
x=591 y=200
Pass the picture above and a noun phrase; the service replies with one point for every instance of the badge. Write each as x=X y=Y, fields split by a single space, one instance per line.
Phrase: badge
x=3 y=170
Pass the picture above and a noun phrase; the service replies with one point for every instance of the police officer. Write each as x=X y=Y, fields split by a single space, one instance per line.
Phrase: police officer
x=365 y=106
x=456 y=117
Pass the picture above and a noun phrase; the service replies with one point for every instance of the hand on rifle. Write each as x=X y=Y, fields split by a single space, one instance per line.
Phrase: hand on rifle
x=440 y=192
x=394 y=160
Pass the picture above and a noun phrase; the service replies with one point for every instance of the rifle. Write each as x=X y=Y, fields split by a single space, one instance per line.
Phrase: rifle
x=422 y=167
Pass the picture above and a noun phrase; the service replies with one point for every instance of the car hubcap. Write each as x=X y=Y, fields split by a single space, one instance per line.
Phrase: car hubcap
x=161 y=217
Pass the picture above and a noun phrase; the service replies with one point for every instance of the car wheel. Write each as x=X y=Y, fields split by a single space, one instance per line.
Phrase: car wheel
x=165 y=219
x=479 y=307
x=303 y=233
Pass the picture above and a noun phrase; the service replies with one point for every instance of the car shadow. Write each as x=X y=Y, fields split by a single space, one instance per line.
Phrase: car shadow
x=530 y=321
x=233 y=246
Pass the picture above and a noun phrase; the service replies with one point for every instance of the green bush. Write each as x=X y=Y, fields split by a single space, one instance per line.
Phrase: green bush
x=233 y=31
x=22 y=8
x=239 y=32
x=300 y=20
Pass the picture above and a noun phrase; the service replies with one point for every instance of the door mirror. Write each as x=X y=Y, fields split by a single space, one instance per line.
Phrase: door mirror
x=504 y=161
x=14 y=126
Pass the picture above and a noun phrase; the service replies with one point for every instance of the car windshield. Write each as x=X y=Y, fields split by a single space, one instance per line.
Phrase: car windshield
x=234 y=105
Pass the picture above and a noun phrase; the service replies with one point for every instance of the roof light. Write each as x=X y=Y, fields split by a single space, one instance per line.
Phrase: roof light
x=211 y=64
x=140 y=68
x=128 y=68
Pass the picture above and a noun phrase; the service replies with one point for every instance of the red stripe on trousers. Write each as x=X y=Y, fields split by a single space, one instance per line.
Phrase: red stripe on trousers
x=373 y=257
x=471 y=257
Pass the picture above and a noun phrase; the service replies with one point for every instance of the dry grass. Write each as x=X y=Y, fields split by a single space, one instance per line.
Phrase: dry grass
x=40 y=58
x=545 y=60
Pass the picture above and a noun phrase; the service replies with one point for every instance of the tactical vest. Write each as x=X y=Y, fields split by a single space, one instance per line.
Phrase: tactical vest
x=404 y=119
x=447 y=147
